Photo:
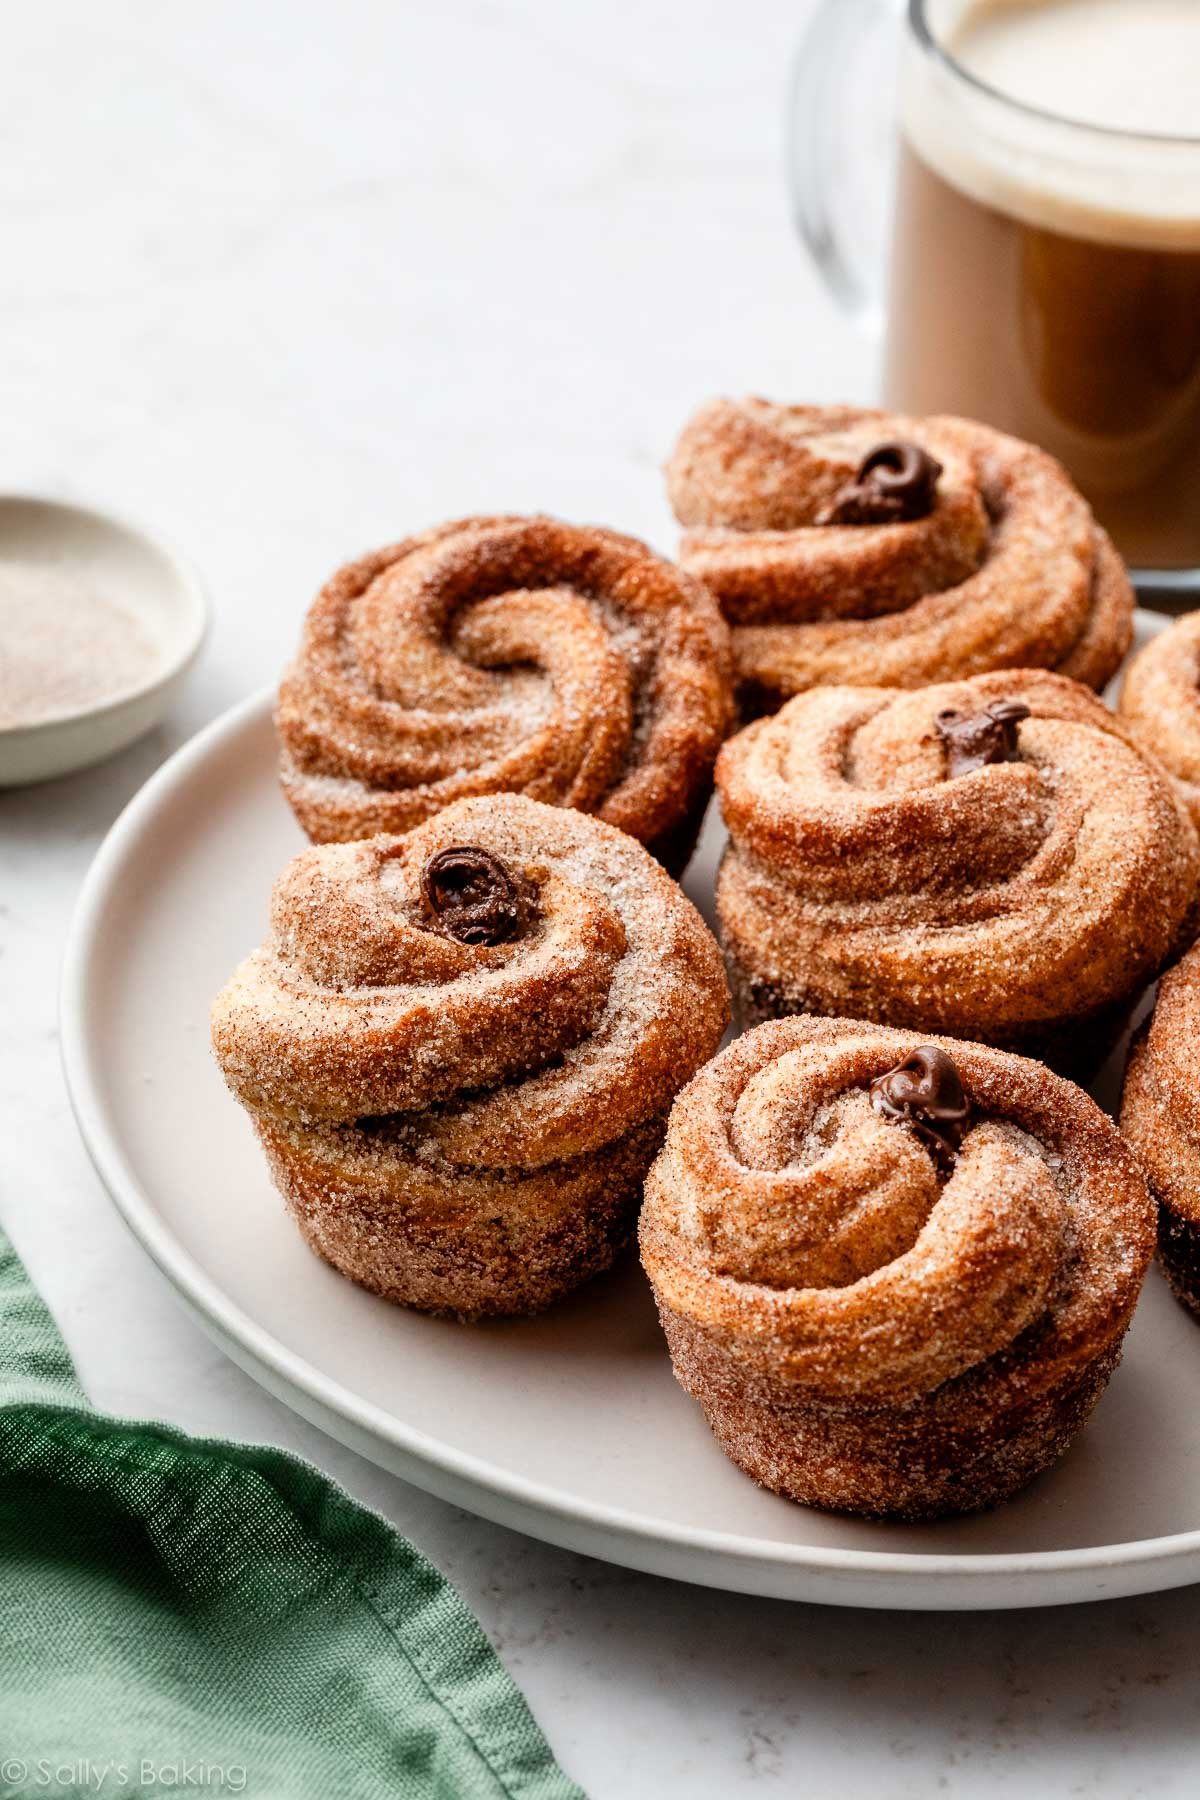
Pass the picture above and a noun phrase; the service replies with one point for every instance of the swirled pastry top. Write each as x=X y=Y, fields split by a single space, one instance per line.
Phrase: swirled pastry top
x=1160 y=701
x=577 y=1027
x=1052 y=876
x=492 y=654
x=1007 y=569
x=789 y=1216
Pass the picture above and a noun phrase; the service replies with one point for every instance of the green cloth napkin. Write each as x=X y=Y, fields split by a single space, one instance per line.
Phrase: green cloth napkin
x=183 y=1615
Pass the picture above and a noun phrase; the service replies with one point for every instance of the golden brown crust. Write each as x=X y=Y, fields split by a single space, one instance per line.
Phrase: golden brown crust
x=505 y=654
x=1160 y=702
x=863 y=1330
x=459 y=1240
x=1160 y=1115
x=1026 y=903
x=1009 y=570
x=416 y=1093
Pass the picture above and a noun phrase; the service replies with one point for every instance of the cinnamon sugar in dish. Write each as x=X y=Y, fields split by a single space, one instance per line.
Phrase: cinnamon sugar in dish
x=65 y=647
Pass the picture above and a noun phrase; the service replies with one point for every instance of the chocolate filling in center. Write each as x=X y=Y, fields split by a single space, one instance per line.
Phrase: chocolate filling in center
x=474 y=896
x=895 y=481
x=973 y=740
x=925 y=1093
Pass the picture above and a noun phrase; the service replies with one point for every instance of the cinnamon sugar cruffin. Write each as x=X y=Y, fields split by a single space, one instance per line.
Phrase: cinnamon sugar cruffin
x=864 y=1331
x=565 y=662
x=1026 y=904
x=1160 y=702
x=1009 y=570
x=458 y=1127
x=1160 y=1115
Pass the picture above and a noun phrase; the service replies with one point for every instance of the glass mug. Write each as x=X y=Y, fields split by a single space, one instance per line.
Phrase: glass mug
x=1044 y=273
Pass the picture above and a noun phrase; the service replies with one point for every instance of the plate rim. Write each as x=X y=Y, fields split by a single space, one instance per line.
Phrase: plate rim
x=602 y=1529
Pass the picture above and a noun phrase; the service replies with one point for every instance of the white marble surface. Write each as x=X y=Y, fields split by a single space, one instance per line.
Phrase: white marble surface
x=288 y=280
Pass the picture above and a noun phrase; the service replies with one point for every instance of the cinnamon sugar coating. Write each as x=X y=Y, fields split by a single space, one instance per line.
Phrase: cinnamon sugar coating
x=1026 y=903
x=1160 y=702
x=866 y=1329
x=505 y=654
x=465 y=1127
x=1008 y=570
x=1160 y=1115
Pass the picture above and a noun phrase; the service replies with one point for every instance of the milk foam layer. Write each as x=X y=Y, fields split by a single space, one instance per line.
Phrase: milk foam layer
x=1126 y=66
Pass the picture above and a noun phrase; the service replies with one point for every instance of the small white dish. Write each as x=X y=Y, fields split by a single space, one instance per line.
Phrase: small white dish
x=569 y=1426
x=161 y=591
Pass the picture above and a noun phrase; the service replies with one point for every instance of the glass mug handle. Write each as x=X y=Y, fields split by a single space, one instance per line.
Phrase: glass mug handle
x=841 y=147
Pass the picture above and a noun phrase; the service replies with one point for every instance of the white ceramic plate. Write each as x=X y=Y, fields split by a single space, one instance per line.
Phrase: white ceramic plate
x=569 y=1427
